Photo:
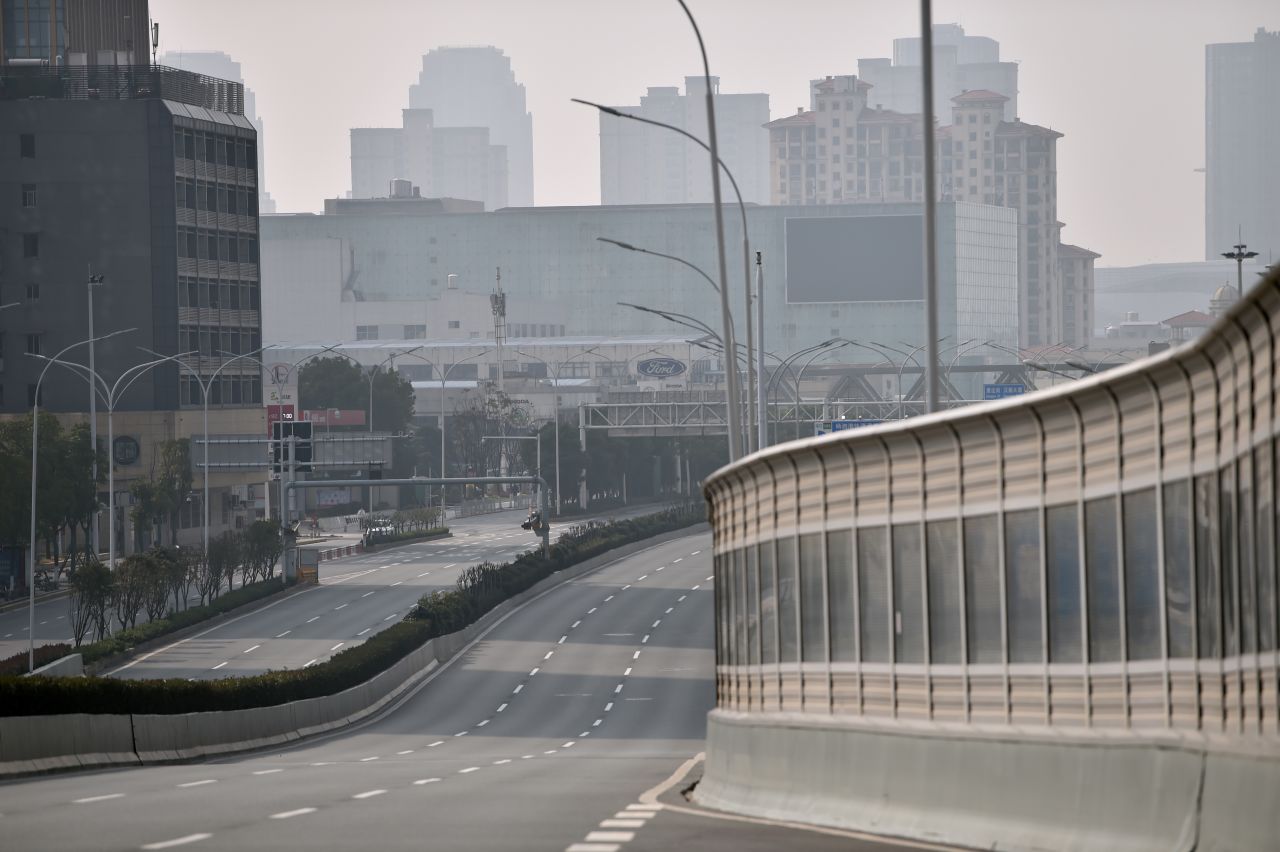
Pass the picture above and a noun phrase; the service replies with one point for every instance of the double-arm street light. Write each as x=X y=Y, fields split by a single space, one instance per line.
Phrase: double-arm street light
x=94 y=281
x=755 y=400
x=1239 y=254
x=556 y=405
x=35 y=444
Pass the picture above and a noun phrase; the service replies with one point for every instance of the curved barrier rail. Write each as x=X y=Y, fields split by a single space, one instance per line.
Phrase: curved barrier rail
x=1097 y=562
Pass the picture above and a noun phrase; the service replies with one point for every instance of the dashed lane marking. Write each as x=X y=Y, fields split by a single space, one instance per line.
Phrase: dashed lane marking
x=199 y=783
x=254 y=648
x=436 y=743
x=310 y=663
x=681 y=598
x=90 y=799
x=293 y=813
x=406 y=751
x=516 y=691
x=669 y=609
x=336 y=647
x=468 y=769
x=422 y=781
x=268 y=771
x=366 y=594
x=178 y=841
x=677 y=559
x=313 y=618
x=367 y=759
x=482 y=724
x=622 y=823
x=501 y=707
x=368 y=794
x=366 y=630
x=219 y=665
x=501 y=762
x=284 y=634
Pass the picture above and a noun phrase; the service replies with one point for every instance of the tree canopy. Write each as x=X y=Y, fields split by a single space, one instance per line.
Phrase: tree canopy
x=338 y=383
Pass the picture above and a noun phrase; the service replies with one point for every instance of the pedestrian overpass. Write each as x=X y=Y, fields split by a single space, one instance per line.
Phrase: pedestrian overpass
x=1048 y=622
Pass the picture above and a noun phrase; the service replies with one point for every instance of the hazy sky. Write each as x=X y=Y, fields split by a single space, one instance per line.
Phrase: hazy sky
x=1123 y=79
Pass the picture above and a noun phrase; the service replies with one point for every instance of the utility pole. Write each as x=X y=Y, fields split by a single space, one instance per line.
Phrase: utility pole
x=1239 y=255
x=762 y=408
x=94 y=281
x=930 y=208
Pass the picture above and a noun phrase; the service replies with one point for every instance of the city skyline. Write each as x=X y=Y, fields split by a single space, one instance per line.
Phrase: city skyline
x=1132 y=207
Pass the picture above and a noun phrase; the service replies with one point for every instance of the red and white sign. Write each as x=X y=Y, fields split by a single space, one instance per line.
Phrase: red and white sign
x=278 y=412
x=335 y=416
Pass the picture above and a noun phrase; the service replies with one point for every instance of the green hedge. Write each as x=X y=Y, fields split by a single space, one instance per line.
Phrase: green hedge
x=482 y=588
x=120 y=642
x=408 y=535
x=45 y=654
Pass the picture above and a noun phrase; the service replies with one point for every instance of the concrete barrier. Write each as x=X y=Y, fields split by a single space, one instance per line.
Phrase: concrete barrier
x=34 y=744
x=1008 y=791
x=72 y=665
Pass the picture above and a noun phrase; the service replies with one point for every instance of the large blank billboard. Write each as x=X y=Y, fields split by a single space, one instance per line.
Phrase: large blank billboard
x=855 y=259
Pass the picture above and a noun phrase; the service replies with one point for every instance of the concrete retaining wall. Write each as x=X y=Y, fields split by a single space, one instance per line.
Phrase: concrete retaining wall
x=32 y=744
x=1007 y=792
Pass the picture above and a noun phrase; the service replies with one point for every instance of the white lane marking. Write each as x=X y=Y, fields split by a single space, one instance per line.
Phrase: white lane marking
x=310 y=663
x=389 y=617
x=642 y=577
x=284 y=634
x=617 y=689
x=102 y=798
x=336 y=647
x=606 y=600
x=516 y=691
x=219 y=665
x=323 y=763
x=366 y=594
x=550 y=751
x=661 y=567
x=468 y=769
x=367 y=759
x=622 y=823
x=668 y=612
x=645 y=639
x=398 y=583
x=406 y=751
x=650 y=808
x=627 y=586
x=695 y=588
x=635 y=814
x=422 y=781
x=338 y=607
x=608 y=707
x=482 y=724
x=596 y=723
x=627 y=673
x=712 y=577
x=610 y=836
x=294 y=813
x=423 y=574
x=178 y=841
x=450 y=565
x=199 y=783
x=619 y=634
x=461 y=734
x=548 y=655
x=695 y=553
x=681 y=598
x=368 y=794
x=388 y=565
x=584 y=734
x=575 y=624
x=636 y=655
x=267 y=771
x=313 y=618
x=534 y=672
x=677 y=559
x=656 y=623
x=593 y=609
x=501 y=707
x=592 y=847
x=525 y=756
x=562 y=638
x=501 y=762
x=366 y=630
x=436 y=743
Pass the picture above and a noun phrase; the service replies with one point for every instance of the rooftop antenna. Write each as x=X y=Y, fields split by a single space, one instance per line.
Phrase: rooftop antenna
x=155 y=40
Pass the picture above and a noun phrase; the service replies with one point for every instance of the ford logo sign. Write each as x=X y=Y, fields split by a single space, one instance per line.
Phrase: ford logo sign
x=660 y=368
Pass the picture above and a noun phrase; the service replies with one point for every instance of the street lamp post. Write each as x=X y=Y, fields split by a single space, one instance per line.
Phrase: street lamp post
x=94 y=281
x=726 y=319
x=35 y=444
x=557 y=370
x=1239 y=255
x=752 y=401
x=826 y=350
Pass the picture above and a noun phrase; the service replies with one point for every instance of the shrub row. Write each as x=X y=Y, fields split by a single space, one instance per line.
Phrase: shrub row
x=118 y=643
x=45 y=654
x=380 y=539
x=481 y=589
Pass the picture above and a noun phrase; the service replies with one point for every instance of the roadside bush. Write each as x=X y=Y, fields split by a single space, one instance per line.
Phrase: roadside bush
x=45 y=654
x=479 y=589
x=376 y=539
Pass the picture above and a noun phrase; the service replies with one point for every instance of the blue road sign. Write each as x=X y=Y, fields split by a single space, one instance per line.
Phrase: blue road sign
x=1002 y=391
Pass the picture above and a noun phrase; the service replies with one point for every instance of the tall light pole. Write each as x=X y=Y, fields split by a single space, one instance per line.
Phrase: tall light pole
x=930 y=207
x=752 y=401
x=94 y=281
x=1239 y=255
x=726 y=318
x=826 y=350
x=35 y=445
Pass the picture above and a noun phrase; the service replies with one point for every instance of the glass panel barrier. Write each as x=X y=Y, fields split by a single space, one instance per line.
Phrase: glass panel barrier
x=813 y=622
x=1102 y=573
x=788 y=629
x=1177 y=568
x=1063 y=570
x=982 y=589
x=873 y=593
x=944 y=592
x=1022 y=583
x=908 y=594
x=840 y=592
x=1208 y=568
x=768 y=605
x=1141 y=575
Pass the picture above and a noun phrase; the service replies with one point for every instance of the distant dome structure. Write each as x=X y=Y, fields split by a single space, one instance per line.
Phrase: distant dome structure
x=1223 y=298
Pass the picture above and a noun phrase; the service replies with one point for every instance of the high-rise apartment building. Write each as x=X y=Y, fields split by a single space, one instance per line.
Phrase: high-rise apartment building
x=843 y=150
x=476 y=87
x=643 y=164
x=960 y=63
x=74 y=32
x=443 y=162
x=215 y=63
x=1242 y=122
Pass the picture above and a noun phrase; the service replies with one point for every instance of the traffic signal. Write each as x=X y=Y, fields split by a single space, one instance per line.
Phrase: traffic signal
x=301 y=432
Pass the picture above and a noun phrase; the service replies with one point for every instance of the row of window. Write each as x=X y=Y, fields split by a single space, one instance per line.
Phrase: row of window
x=229 y=248
x=211 y=341
x=223 y=295
x=225 y=390
x=215 y=148
x=214 y=197
x=1079 y=583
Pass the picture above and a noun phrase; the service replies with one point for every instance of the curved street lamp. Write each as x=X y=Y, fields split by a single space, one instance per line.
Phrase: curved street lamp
x=557 y=370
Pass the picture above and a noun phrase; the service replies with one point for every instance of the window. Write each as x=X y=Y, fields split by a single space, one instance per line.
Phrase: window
x=813 y=622
x=1102 y=574
x=768 y=605
x=1178 y=574
x=873 y=594
x=841 y=598
x=944 y=591
x=908 y=594
x=788 y=629
x=982 y=589
x=33 y=344
x=27 y=144
x=415 y=332
x=455 y=323
x=1062 y=561
x=28 y=195
x=30 y=245
x=1022 y=584
x=33 y=292
x=366 y=332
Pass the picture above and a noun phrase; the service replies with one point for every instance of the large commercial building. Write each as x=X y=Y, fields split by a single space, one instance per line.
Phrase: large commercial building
x=842 y=150
x=961 y=63
x=1242 y=122
x=74 y=32
x=148 y=176
x=830 y=270
x=446 y=162
x=476 y=87
x=643 y=164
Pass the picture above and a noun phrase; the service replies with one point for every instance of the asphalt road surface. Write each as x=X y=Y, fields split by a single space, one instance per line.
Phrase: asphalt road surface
x=542 y=735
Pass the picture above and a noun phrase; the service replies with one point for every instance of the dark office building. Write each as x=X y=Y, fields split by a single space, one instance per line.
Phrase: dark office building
x=148 y=176
x=74 y=32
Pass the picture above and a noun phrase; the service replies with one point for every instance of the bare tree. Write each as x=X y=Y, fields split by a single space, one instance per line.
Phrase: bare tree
x=91 y=590
x=129 y=589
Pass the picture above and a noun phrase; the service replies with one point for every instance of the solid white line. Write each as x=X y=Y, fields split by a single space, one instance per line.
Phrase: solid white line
x=254 y=648
x=422 y=781
x=313 y=618
x=368 y=794
x=468 y=769
x=219 y=665
x=406 y=751
x=290 y=814
x=284 y=634
x=366 y=630
x=268 y=771
x=89 y=799
x=501 y=707
x=336 y=647
x=178 y=841
x=367 y=759
x=199 y=783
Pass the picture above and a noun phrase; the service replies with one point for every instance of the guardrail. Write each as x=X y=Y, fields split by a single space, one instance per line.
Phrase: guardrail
x=1096 y=562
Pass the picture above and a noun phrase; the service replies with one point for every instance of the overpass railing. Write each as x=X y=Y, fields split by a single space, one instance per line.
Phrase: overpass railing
x=1102 y=555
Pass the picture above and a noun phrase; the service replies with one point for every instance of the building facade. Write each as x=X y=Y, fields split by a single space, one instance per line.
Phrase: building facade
x=1242 y=118
x=147 y=176
x=476 y=87
x=961 y=63
x=643 y=164
x=74 y=32
x=453 y=162
x=841 y=151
